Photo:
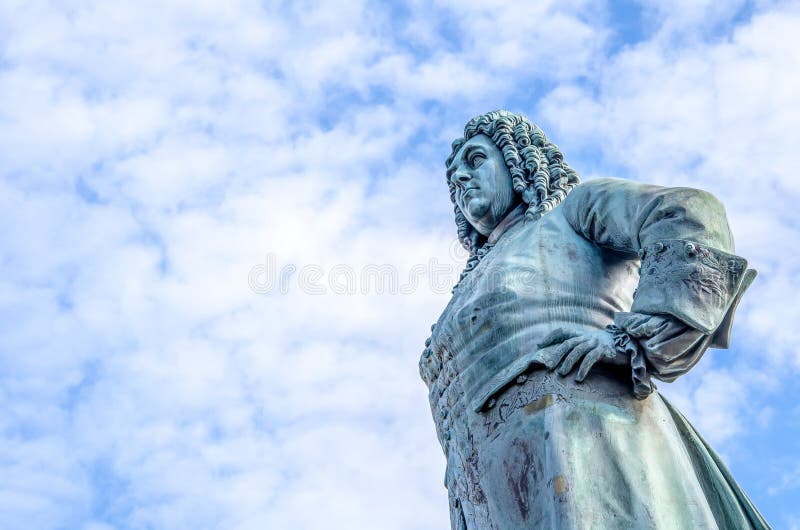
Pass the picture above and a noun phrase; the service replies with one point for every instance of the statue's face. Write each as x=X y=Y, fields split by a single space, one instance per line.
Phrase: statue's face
x=483 y=183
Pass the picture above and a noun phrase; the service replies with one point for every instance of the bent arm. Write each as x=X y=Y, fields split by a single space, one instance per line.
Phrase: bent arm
x=690 y=281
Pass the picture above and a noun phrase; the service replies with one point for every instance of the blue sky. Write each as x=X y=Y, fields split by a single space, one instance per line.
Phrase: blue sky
x=158 y=162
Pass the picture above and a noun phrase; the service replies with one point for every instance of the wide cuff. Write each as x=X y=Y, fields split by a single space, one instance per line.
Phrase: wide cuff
x=694 y=283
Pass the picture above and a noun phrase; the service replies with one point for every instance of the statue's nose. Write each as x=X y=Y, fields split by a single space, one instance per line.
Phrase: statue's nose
x=459 y=177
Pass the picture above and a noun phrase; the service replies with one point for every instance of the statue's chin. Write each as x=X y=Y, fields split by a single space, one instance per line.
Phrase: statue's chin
x=476 y=210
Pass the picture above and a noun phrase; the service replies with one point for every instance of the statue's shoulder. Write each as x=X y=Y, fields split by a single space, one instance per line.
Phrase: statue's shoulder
x=604 y=185
x=617 y=193
x=602 y=190
x=617 y=186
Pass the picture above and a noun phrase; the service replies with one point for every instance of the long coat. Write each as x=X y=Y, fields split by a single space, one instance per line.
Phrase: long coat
x=528 y=449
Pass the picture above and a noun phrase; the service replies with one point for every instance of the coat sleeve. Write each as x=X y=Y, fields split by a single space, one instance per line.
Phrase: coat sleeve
x=690 y=279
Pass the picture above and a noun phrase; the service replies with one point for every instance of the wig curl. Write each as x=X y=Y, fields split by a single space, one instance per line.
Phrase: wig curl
x=540 y=177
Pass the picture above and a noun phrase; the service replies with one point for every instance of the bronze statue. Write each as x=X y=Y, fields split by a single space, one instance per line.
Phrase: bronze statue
x=540 y=369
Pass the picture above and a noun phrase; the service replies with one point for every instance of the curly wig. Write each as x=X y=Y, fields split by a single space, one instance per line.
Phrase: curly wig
x=540 y=177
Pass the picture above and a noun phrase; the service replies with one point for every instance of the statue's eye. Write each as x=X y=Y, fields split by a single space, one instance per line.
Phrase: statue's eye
x=477 y=159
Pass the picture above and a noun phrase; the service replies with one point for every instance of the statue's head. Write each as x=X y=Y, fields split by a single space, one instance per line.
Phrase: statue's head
x=503 y=160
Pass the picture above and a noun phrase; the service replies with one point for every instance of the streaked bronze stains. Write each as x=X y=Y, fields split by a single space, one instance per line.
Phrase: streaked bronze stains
x=541 y=403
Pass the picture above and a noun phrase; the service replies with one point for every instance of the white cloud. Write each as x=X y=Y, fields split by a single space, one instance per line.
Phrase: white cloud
x=153 y=154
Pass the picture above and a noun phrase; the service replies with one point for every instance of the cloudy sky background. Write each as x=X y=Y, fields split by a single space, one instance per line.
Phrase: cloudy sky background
x=161 y=164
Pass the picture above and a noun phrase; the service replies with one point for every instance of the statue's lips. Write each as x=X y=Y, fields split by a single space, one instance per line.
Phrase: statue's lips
x=466 y=192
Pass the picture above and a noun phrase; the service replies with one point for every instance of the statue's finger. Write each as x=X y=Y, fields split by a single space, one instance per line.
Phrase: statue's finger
x=566 y=347
x=547 y=356
x=575 y=354
x=551 y=356
x=557 y=336
x=588 y=362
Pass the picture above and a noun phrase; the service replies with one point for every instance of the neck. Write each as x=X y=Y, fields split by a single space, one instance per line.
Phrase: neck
x=513 y=217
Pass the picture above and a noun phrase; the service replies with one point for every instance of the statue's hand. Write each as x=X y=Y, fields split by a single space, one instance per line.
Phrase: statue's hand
x=562 y=349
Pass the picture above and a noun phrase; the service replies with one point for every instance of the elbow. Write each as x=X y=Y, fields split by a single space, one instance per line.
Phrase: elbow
x=713 y=215
x=701 y=216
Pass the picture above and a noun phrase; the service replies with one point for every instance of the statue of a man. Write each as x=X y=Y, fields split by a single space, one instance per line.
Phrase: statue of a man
x=575 y=296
